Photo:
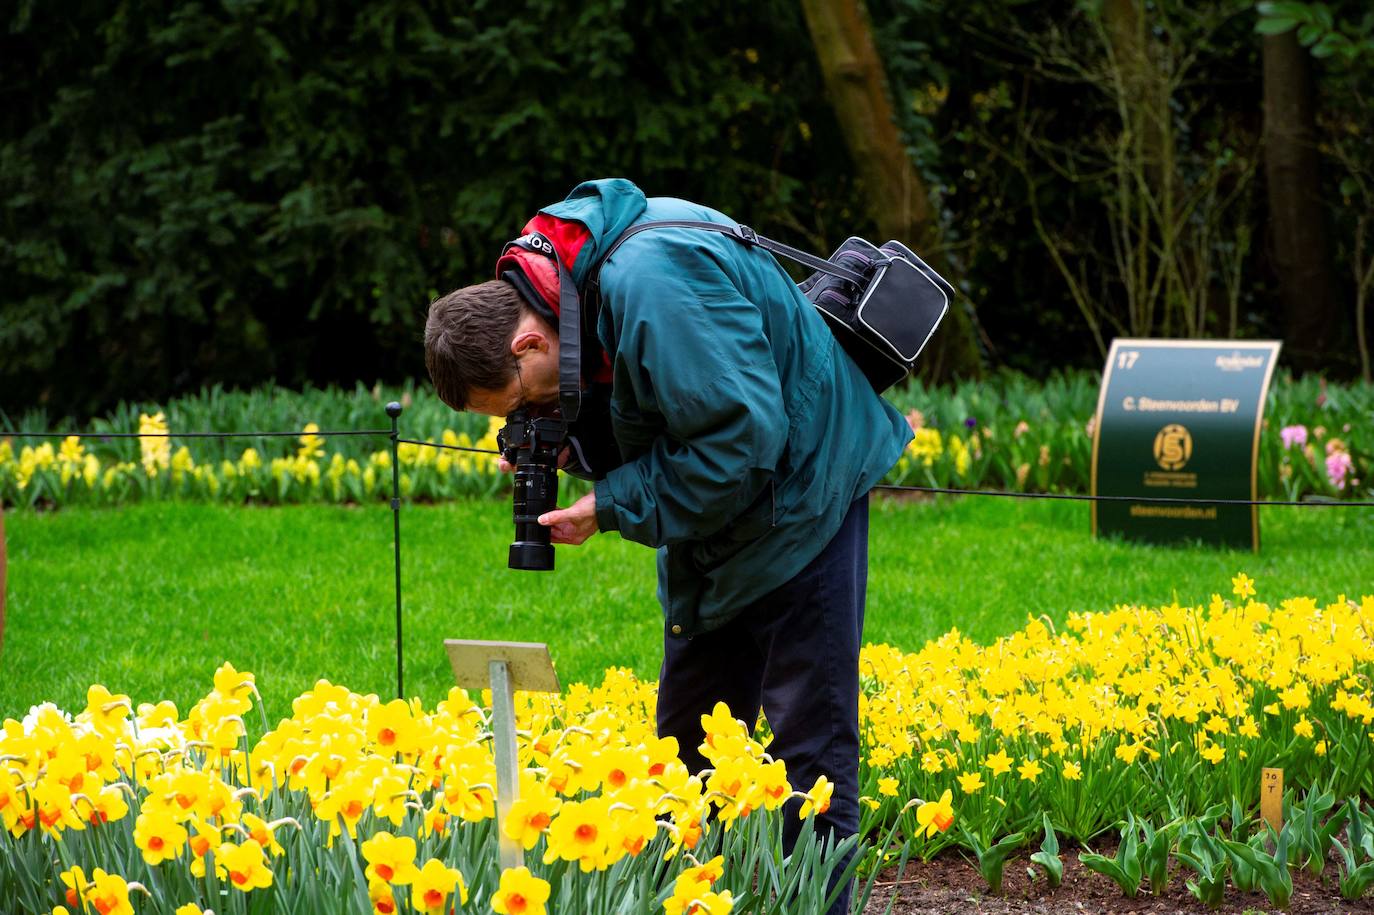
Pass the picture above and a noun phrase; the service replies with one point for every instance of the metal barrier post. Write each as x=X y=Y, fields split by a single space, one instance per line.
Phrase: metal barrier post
x=393 y=410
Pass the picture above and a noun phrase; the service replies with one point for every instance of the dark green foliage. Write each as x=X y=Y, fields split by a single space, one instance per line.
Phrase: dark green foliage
x=1206 y=854
x=1048 y=857
x=1127 y=866
x=1346 y=33
x=231 y=192
x=992 y=859
x=247 y=190
x=1357 y=861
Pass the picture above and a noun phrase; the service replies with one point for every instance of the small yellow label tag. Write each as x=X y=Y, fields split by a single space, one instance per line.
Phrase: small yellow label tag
x=1271 y=797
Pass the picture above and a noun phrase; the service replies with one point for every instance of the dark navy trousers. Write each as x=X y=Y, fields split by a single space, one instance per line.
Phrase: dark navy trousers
x=795 y=653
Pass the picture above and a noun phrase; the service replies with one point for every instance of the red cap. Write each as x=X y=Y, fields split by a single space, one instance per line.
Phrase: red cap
x=537 y=268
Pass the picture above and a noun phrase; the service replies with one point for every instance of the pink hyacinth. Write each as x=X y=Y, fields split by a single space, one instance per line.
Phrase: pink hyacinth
x=1338 y=466
x=1293 y=436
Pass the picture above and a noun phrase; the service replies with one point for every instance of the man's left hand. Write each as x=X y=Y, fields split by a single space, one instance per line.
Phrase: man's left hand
x=574 y=524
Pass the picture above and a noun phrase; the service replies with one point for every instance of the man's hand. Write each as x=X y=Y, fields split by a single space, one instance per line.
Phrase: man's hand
x=574 y=524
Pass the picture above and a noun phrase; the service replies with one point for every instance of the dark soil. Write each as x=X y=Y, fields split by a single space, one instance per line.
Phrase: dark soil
x=950 y=883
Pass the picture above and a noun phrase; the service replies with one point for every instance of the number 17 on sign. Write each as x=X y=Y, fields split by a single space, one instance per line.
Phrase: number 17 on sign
x=1271 y=797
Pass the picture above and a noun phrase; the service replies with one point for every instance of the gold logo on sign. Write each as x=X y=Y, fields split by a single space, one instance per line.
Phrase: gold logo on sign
x=1173 y=447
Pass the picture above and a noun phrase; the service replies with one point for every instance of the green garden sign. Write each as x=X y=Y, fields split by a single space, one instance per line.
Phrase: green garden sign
x=1180 y=419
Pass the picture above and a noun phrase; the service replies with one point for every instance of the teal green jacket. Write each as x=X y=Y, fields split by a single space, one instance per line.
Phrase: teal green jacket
x=746 y=431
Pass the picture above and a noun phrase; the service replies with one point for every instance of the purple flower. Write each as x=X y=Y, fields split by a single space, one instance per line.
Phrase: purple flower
x=1338 y=466
x=970 y=422
x=1293 y=436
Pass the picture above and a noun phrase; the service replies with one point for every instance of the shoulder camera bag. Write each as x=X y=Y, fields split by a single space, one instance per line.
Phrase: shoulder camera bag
x=882 y=303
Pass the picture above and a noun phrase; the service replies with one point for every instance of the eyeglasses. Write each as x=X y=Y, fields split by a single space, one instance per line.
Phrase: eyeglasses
x=529 y=407
x=524 y=402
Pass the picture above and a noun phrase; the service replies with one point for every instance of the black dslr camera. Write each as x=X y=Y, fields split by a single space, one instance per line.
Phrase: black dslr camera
x=532 y=444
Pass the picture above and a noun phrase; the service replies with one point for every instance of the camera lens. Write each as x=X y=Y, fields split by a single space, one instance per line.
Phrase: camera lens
x=536 y=492
x=532 y=445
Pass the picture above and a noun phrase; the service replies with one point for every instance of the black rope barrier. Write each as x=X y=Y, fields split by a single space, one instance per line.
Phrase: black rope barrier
x=1070 y=497
x=411 y=441
x=321 y=434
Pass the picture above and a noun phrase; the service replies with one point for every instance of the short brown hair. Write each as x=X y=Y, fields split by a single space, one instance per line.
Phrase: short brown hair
x=467 y=340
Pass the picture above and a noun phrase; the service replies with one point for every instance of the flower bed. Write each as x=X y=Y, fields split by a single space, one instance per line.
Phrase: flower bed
x=1151 y=723
x=355 y=804
x=1009 y=433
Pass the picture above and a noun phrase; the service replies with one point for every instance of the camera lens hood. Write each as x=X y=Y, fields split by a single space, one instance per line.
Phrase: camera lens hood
x=531 y=556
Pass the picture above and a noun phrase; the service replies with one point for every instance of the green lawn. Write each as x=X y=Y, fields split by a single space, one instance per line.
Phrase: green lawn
x=150 y=599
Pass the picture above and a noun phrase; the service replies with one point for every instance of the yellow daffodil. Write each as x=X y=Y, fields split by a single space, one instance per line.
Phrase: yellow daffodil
x=581 y=832
x=107 y=711
x=246 y=865
x=109 y=894
x=935 y=816
x=818 y=798
x=74 y=879
x=434 y=884
x=709 y=903
x=390 y=859
x=382 y=898
x=392 y=727
x=205 y=839
x=262 y=832
x=158 y=836
x=696 y=880
x=999 y=762
x=532 y=812
x=520 y=893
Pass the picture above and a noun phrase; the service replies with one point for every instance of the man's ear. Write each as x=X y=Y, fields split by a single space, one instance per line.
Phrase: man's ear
x=529 y=339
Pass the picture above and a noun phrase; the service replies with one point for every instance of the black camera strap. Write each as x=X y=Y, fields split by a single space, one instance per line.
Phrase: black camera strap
x=740 y=233
x=569 y=346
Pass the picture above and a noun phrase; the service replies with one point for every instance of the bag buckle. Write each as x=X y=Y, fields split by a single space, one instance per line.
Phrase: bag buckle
x=748 y=234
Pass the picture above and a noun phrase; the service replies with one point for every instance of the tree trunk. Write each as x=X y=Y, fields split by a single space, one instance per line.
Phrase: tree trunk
x=1296 y=222
x=1144 y=92
x=896 y=197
